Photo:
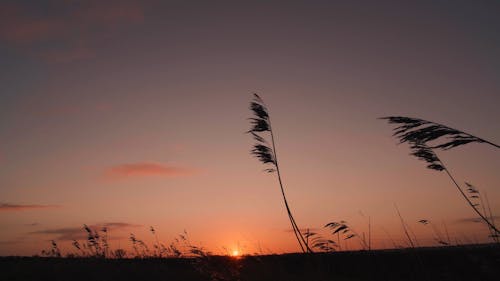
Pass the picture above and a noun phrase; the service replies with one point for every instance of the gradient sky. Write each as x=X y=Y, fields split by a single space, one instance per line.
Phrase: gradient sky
x=132 y=114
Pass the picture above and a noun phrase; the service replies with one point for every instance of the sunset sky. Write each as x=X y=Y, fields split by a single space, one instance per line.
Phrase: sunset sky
x=133 y=114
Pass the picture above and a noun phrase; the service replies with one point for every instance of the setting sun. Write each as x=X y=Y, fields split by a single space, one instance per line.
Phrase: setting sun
x=235 y=253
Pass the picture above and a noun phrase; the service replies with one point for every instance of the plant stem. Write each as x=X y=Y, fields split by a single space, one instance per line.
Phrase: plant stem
x=390 y=238
x=361 y=239
x=492 y=218
x=468 y=200
x=369 y=234
x=472 y=136
x=338 y=241
x=296 y=229
x=447 y=234
x=490 y=143
x=404 y=227
x=483 y=206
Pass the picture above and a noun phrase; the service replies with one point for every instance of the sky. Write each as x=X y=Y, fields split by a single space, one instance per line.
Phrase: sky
x=131 y=114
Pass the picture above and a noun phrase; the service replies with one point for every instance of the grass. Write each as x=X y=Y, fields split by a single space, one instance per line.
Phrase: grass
x=420 y=133
x=183 y=260
x=265 y=151
x=467 y=262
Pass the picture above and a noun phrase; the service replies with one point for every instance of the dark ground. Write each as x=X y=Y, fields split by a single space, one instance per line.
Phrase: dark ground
x=446 y=263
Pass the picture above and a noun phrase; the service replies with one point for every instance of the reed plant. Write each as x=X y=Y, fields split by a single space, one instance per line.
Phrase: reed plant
x=318 y=242
x=420 y=133
x=436 y=234
x=481 y=200
x=347 y=232
x=97 y=243
x=53 y=252
x=406 y=228
x=265 y=151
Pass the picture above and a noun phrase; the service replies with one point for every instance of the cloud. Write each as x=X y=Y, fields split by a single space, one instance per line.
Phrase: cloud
x=7 y=207
x=67 y=55
x=111 y=13
x=474 y=220
x=144 y=169
x=11 y=242
x=18 y=26
x=68 y=32
x=304 y=230
x=78 y=233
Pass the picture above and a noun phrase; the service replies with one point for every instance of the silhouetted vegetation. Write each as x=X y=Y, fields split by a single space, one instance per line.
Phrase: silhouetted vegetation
x=419 y=133
x=441 y=264
x=266 y=153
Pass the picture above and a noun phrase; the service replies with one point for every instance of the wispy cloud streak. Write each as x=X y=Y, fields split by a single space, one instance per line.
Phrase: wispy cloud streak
x=471 y=220
x=78 y=233
x=7 y=207
x=145 y=169
x=68 y=33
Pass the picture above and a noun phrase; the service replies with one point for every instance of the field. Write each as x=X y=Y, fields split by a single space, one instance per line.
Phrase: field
x=474 y=262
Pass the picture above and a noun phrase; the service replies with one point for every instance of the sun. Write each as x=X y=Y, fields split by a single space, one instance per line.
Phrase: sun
x=235 y=253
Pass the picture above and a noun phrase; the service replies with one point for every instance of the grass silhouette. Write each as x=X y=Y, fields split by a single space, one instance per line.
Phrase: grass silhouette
x=266 y=153
x=347 y=232
x=185 y=261
x=419 y=132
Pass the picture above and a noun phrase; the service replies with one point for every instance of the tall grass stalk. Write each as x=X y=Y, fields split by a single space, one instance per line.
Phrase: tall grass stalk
x=405 y=229
x=488 y=213
x=475 y=195
x=418 y=132
x=390 y=238
x=495 y=236
x=369 y=233
x=414 y=130
x=347 y=232
x=472 y=205
x=438 y=237
x=447 y=233
x=267 y=154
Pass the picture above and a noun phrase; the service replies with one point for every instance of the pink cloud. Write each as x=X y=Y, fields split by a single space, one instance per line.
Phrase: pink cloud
x=79 y=233
x=6 y=207
x=75 y=28
x=145 y=169
x=19 y=27
x=23 y=32
x=111 y=13
x=66 y=55
x=474 y=220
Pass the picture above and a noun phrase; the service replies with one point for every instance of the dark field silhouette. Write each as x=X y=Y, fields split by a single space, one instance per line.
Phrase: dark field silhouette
x=475 y=262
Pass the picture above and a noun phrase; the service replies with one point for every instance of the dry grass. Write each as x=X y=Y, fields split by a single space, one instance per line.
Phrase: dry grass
x=420 y=133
